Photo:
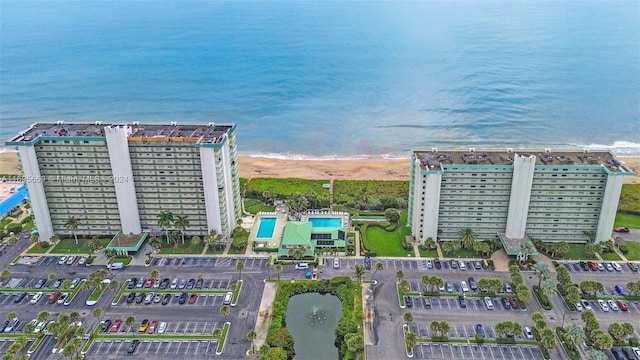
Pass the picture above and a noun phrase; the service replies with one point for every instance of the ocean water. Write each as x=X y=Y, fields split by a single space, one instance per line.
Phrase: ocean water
x=333 y=79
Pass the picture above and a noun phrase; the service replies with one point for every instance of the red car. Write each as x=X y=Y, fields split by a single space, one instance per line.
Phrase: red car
x=115 y=326
x=593 y=266
x=621 y=229
x=193 y=298
x=149 y=283
x=153 y=326
x=513 y=302
x=622 y=305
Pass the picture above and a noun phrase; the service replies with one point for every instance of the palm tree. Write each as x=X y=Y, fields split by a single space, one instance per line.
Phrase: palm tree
x=72 y=224
x=29 y=329
x=411 y=340
x=181 y=223
x=408 y=317
x=74 y=316
x=6 y=273
x=114 y=284
x=268 y=266
x=97 y=313
x=379 y=267
x=549 y=287
x=154 y=242
x=404 y=285
x=12 y=315
x=359 y=271
x=225 y=310
x=239 y=267
x=467 y=236
x=52 y=276
x=400 y=275
x=576 y=333
x=154 y=273
x=66 y=285
x=526 y=249
x=43 y=316
x=542 y=271
x=251 y=335
x=278 y=269
x=165 y=219
x=595 y=354
x=129 y=322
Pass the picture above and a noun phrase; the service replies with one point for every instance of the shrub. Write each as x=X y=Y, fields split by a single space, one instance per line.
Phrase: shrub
x=542 y=298
x=624 y=249
x=14 y=227
x=633 y=342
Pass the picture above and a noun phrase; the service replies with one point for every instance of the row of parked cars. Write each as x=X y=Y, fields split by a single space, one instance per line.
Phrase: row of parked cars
x=70 y=260
x=164 y=299
x=526 y=331
x=626 y=353
x=605 y=305
x=166 y=283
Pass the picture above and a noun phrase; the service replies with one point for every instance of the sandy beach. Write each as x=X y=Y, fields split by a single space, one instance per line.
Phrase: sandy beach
x=352 y=169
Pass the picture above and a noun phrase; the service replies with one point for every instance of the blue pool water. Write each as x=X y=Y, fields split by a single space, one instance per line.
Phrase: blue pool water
x=14 y=199
x=325 y=222
x=265 y=231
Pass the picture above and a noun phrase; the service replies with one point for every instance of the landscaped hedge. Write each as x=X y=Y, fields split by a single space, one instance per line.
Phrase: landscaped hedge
x=569 y=347
x=278 y=334
x=282 y=188
x=542 y=298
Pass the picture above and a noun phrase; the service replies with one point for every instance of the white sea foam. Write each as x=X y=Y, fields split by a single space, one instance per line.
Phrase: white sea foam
x=622 y=148
x=5 y=149
x=288 y=156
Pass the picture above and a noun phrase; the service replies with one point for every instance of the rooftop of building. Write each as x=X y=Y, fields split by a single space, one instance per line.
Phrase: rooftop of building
x=211 y=133
x=435 y=159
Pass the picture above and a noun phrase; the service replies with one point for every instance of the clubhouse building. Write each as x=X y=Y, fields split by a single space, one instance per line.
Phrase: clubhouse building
x=117 y=178
x=514 y=195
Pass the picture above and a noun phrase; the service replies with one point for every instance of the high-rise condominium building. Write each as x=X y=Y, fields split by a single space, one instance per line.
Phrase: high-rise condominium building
x=514 y=194
x=119 y=177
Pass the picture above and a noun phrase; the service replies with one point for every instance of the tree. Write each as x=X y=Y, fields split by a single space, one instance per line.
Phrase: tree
x=225 y=310
x=592 y=249
x=392 y=215
x=251 y=335
x=430 y=243
x=379 y=267
x=278 y=269
x=355 y=342
x=165 y=219
x=595 y=354
x=239 y=267
x=467 y=237
x=13 y=240
x=66 y=284
x=181 y=222
x=43 y=316
x=547 y=338
x=400 y=275
x=403 y=285
x=359 y=272
x=154 y=273
x=549 y=287
x=408 y=317
x=573 y=295
x=6 y=273
x=576 y=333
x=97 y=313
x=634 y=287
x=154 y=242
x=196 y=240
x=267 y=352
x=74 y=316
x=130 y=321
x=12 y=315
x=601 y=340
x=114 y=284
x=627 y=329
x=542 y=271
x=562 y=248
x=29 y=329
x=526 y=249
x=490 y=284
x=616 y=331
x=523 y=293
x=73 y=223
x=35 y=237
x=411 y=340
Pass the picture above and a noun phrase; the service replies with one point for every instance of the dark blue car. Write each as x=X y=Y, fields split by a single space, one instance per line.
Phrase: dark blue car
x=620 y=290
x=480 y=330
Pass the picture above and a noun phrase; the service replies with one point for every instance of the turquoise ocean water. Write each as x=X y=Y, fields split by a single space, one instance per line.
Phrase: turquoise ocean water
x=343 y=79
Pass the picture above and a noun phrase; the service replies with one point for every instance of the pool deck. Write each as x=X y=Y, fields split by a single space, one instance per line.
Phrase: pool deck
x=327 y=214
x=274 y=241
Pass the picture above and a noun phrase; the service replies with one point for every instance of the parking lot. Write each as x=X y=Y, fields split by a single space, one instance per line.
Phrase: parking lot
x=575 y=267
x=208 y=262
x=414 y=264
x=4 y=345
x=177 y=327
x=473 y=351
x=461 y=330
x=202 y=300
x=153 y=348
x=452 y=303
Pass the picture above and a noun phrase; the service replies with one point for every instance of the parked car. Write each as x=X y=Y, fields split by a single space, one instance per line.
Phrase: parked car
x=633 y=267
x=54 y=297
x=82 y=260
x=437 y=264
x=300 y=266
x=131 y=297
x=148 y=298
x=527 y=333
x=182 y=284
x=162 y=327
x=585 y=304
x=473 y=285
x=600 y=266
x=426 y=302
x=603 y=305
x=133 y=346
x=480 y=330
x=115 y=326
x=157 y=298
x=429 y=264
x=612 y=305
x=106 y=324
x=149 y=283
x=183 y=298
x=462 y=266
x=132 y=283
x=58 y=283
x=621 y=290
x=139 y=298
x=75 y=282
x=63 y=297
x=579 y=306
x=12 y=325
x=227 y=298
x=367 y=263
x=462 y=301
x=513 y=302
x=140 y=283
x=40 y=326
x=174 y=283
x=584 y=266
x=165 y=283
x=40 y=284
x=477 y=265
x=193 y=298
x=507 y=288
x=618 y=354
x=166 y=299
x=488 y=303
x=70 y=260
x=453 y=264
x=463 y=286
x=35 y=298
x=62 y=260
x=450 y=287
x=143 y=326
x=336 y=263
x=199 y=284
x=616 y=266
x=608 y=266
x=153 y=326
x=505 y=303
x=156 y=284
x=622 y=305
x=592 y=266
x=190 y=284
x=621 y=229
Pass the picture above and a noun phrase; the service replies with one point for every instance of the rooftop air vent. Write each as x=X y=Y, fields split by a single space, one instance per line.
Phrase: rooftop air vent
x=174 y=123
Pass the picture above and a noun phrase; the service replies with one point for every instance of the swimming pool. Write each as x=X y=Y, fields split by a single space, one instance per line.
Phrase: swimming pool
x=325 y=222
x=265 y=231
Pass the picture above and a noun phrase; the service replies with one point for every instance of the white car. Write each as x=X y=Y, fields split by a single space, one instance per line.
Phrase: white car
x=174 y=283
x=70 y=260
x=579 y=307
x=429 y=264
x=40 y=326
x=586 y=305
x=613 y=305
x=75 y=283
x=162 y=327
x=62 y=298
x=463 y=286
x=488 y=303
x=462 y=266
x=82 y=260
x=302 y=266
x=603 y=305
x=336 y=263
x=36 y=297
x=527 y=333
x=616 y=266
x=608 y=266
x=62 y=260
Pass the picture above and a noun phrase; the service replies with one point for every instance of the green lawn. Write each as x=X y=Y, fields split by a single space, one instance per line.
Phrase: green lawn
x=37 y=250
x=68 y=245
x=465 y=253
x=576 y=252
x=428 y=253
x=612 y=256
x=187 y=248
x=634 y=250
x=627 y=220
x=254 y=206
x=385 y=243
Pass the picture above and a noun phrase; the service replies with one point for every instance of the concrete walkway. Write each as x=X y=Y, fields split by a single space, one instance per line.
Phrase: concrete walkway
x=500 y=260
x=265 y=312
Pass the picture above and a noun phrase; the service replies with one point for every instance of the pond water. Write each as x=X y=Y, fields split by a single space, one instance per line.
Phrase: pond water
x=312 y=319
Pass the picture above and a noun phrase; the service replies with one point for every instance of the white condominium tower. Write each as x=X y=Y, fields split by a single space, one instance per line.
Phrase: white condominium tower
x=119 y=177
x=514 y=194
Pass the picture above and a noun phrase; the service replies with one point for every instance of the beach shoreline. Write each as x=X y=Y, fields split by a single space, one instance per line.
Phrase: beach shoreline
x=366 y=168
